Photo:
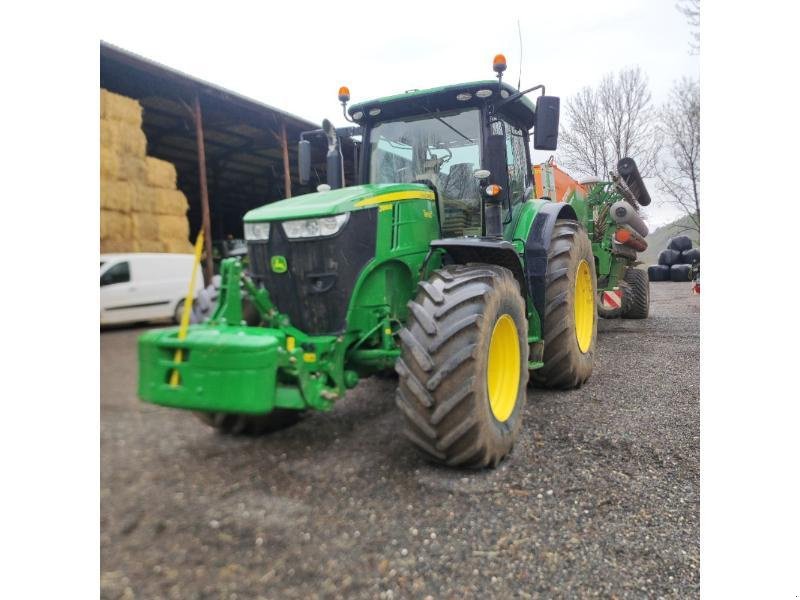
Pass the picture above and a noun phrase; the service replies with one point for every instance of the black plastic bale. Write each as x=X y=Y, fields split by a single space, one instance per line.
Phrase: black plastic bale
x=690 y=257
x=669 y=257
x=658 y=273
x=680 y=273
x=680 y=243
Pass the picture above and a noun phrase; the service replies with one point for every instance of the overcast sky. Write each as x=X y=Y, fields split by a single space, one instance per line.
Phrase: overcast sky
x=296 y=57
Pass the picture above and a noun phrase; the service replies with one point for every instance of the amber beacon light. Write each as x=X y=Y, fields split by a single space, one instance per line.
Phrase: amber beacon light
x=499 y=63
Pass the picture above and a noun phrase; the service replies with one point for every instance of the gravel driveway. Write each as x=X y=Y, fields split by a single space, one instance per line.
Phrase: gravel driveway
x=600 y=496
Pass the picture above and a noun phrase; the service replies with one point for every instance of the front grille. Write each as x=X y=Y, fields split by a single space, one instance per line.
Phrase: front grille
x=321 y=273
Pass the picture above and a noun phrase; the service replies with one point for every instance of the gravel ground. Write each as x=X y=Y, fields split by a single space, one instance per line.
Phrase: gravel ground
x=600 y=497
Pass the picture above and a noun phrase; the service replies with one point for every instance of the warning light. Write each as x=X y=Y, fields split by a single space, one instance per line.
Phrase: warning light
x=344 y=94
x=499 y=63
x=493 y=190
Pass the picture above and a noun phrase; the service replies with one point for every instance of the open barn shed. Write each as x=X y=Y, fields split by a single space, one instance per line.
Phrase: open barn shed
x=243 y=152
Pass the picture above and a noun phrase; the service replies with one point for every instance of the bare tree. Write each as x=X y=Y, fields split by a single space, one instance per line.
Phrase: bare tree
x=679 y=175
x=608 y=123
x=691 y=10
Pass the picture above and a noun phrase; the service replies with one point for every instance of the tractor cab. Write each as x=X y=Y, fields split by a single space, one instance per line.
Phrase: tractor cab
x=452 y=140
x=468 y=142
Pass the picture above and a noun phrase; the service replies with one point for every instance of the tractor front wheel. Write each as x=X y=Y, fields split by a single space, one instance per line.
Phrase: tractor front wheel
x=463 y=370
x=570 y=316
x=236 y=424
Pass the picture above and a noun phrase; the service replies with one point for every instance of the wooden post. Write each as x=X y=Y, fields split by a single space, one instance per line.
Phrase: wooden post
x=208 y=271
x=287 y=177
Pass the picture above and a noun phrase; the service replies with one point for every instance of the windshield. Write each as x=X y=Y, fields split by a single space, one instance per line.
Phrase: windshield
x=442 y=149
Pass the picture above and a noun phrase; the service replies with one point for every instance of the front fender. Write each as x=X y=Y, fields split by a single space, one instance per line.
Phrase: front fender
x=535 y=230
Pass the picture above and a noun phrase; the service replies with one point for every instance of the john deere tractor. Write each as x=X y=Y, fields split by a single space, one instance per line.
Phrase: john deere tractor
x=438 y=262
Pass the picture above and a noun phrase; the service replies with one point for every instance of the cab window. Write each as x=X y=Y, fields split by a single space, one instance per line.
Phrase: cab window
x=518 y=175
x=516 y=162
x=118 y=273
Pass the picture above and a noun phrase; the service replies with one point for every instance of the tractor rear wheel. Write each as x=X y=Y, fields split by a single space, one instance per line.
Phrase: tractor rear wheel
x=638 y=290
x=463 y=369
x=570 y=316
x=237 y=424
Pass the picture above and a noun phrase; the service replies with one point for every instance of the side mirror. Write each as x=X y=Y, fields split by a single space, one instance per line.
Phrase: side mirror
x=304 y=160
x=545 y=131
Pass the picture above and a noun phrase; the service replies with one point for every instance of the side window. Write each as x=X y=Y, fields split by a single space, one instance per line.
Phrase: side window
x=119 y=273
x=518 y=176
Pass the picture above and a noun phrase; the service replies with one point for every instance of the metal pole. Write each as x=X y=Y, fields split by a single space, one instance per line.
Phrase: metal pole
x=287 y=178
x=208 y=271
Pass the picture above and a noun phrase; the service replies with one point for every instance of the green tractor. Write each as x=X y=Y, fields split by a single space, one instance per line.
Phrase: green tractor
x=438 y=263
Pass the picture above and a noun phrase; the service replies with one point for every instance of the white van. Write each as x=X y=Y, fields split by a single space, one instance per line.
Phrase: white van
x=144 y=286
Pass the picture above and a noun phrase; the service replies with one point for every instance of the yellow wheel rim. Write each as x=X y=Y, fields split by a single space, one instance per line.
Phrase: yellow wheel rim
x=584 y=307
x=503 y=369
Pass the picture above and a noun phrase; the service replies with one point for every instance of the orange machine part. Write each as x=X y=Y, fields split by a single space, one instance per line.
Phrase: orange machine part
x=564 y=184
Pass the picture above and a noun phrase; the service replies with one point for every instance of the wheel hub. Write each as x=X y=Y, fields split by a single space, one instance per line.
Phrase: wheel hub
x=584 y=307
x=503 y=368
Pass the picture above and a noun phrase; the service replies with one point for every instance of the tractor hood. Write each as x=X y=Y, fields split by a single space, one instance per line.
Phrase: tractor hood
x=334 y=202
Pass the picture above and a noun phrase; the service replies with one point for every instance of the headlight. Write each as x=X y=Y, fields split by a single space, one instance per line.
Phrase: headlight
x=309 y=228
x=256 y=231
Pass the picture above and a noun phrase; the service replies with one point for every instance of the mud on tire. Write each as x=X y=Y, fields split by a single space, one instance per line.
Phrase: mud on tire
x=443 y=390
x=566 y=366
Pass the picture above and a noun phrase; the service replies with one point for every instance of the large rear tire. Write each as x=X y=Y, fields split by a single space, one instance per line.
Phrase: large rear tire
x=464 y=365
x=639 y=292
x=570 y=317
x=236 y=424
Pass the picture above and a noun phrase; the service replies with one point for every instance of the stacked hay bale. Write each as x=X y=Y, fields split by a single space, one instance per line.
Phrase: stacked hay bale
x=141 y=209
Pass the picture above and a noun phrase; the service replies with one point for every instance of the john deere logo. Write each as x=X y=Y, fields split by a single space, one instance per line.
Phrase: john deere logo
x=278 y=264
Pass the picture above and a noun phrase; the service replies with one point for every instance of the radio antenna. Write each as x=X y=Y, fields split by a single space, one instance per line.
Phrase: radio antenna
x=519 y=81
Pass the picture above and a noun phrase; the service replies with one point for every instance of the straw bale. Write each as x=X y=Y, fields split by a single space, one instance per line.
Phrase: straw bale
x=172 y=227
x=114 y=225
x=123 y=137
x=120 y=108
x=146 y=199
x=122 y=167
x=114 y=246
x=117 y=195
x=109 y=164
x=179 y=246
x=160 y=173
x=148 y=246
x=171 y=202
x=144 y=226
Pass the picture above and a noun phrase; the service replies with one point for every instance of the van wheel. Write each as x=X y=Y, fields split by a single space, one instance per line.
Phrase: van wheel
x=179 y=311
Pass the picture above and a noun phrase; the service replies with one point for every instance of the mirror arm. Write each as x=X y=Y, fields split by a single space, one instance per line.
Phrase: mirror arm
x=517 y=96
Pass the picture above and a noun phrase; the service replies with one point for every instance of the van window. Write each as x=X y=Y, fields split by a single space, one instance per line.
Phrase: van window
x=119 y=273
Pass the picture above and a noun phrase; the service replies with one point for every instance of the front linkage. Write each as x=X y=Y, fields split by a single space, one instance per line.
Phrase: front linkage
x=230 y=367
